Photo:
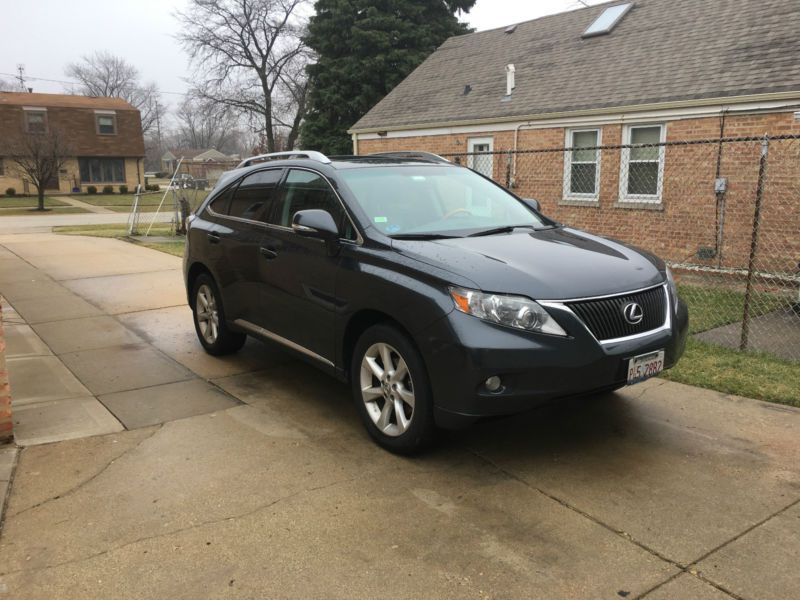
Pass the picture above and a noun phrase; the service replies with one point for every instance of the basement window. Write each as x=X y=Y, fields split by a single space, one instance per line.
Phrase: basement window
x=608 y=20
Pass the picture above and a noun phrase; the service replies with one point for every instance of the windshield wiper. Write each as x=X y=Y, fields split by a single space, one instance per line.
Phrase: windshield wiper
x=506 y=229
x=423 y=236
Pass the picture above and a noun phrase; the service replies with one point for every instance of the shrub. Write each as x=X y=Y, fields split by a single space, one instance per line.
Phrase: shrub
x=123 y=189
x=153 y=188
x=108 y=189
x=91 y=190
x=11 y=192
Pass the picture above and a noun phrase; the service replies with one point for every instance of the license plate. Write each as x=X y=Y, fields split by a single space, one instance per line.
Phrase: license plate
x=645 y=366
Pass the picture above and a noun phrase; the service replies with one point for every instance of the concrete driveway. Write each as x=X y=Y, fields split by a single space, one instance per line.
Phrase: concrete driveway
x=251 y=477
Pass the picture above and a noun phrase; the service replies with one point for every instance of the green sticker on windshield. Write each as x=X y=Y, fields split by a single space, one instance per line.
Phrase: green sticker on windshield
x=381 y=220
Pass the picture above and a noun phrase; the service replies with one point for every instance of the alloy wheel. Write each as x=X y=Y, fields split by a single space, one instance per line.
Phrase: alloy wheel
x=387 y=389
x=207 y=315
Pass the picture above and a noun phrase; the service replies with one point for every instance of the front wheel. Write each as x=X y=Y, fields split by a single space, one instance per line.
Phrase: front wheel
x=209 y=320
x=391 y=390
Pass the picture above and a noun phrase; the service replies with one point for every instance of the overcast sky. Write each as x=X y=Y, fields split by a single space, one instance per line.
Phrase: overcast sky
x=142 y=32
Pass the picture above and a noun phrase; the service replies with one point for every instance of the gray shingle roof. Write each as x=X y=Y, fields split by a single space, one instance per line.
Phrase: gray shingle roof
x=662 y=51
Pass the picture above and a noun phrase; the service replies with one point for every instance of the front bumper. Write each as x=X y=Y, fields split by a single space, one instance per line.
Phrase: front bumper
x=461 y=352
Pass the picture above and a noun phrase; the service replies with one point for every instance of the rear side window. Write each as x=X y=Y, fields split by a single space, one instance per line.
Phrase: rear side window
x=305 y=190
x=220 y=204
x=255 y=195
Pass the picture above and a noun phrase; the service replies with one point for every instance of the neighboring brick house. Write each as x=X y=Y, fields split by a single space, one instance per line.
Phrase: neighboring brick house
x=203 y=163
x=104 y=135
x=649 y=71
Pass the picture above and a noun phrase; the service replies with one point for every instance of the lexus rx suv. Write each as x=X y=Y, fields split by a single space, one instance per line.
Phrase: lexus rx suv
x=441 y=297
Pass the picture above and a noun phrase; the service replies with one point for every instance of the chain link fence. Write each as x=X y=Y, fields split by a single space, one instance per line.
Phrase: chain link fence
x=724 y=214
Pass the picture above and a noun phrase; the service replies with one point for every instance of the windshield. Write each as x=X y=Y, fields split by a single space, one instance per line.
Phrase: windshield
x=434 y=200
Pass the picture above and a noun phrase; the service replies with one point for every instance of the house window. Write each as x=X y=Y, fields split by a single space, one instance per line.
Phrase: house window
x=102 y=170
x=482 y=163
x=106 y=124
x=36 y=121
x=642 y=167
x=582 y=165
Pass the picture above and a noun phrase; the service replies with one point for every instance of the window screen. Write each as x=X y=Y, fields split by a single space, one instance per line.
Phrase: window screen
x=306 y=190
x=255 y=195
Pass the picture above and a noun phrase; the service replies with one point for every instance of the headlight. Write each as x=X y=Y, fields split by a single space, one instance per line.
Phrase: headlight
x=512 y=311
x=673 y=290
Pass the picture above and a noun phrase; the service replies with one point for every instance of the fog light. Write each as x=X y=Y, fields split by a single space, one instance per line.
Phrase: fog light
x=493 y=384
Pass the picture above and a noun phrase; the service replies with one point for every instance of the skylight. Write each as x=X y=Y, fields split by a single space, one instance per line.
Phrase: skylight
x=609 y=19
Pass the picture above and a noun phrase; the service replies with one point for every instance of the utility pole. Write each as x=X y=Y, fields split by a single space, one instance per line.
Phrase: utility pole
x=158 y=124
x=21 y=77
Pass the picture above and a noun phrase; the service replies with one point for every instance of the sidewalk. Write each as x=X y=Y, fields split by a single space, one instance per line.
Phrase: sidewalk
x=92 y=208
x=250 y=476
x=45 y=223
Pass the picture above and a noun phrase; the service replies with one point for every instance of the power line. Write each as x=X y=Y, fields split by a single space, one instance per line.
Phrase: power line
x=67 y=82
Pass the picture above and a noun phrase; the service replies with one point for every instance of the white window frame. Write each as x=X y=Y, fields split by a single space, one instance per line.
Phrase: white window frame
x=568 y=143
x=624 y=166
x=479 y=141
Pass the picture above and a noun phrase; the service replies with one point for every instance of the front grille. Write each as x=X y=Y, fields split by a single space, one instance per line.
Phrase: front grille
x=605 y=319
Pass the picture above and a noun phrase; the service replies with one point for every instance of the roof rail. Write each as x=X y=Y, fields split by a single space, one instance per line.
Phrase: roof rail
x=310 y=154
x=426 y=156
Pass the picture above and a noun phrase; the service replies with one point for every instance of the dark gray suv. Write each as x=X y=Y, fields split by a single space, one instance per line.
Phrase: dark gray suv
x=441 y=297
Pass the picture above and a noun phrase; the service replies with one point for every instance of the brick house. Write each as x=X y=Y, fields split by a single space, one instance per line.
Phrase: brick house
x=620 y=73
x=104 y=134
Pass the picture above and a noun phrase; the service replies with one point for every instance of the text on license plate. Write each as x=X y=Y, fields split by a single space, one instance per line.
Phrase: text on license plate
x=645 y=366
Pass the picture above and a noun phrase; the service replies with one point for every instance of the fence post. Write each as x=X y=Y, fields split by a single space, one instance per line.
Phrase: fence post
x=509 y=161
x=762 y=173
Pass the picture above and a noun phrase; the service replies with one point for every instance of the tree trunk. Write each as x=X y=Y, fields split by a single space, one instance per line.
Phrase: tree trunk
x=40 y=190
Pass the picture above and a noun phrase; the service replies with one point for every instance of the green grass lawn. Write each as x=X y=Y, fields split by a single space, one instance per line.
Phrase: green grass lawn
x=26 y=206
x=148 y=202
x=28 y=212
x=11 y=202
x=710 y=307
x=752 y=375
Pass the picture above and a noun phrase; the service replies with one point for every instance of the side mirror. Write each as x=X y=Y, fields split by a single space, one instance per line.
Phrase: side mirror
x=534 y=204
x=315 y=223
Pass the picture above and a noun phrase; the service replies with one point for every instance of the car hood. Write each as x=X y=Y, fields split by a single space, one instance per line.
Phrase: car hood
x=552 y=264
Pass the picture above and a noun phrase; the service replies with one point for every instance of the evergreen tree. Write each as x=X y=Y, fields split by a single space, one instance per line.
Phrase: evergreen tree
x=364 y=49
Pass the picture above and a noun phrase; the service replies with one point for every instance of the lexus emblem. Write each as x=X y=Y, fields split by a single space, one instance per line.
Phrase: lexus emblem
x=633 y=313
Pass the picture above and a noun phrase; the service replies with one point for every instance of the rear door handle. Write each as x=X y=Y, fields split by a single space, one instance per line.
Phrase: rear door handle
x=213 y=238
x=268 y=253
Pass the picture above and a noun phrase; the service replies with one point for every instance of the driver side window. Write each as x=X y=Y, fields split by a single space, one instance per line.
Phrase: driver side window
x=305 y=190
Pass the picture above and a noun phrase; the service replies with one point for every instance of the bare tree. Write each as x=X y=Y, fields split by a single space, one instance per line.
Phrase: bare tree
x=39 y=157
x=246 y=54
x=103 y=74
x=202 y=123
x=7 y=86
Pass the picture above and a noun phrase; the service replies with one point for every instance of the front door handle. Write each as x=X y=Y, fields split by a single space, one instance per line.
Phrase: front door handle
x=268 y=253
x=213 y=238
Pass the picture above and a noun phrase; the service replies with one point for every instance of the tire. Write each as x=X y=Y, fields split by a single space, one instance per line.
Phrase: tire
x=379 y=397
x=211 y=327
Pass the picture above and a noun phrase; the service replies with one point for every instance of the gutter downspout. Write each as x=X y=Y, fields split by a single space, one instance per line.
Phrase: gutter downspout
x=517 y=129
x=355 y=144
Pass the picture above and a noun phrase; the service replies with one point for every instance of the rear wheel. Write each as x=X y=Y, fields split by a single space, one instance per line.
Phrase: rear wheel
x=209 y=319
x=391 y=390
